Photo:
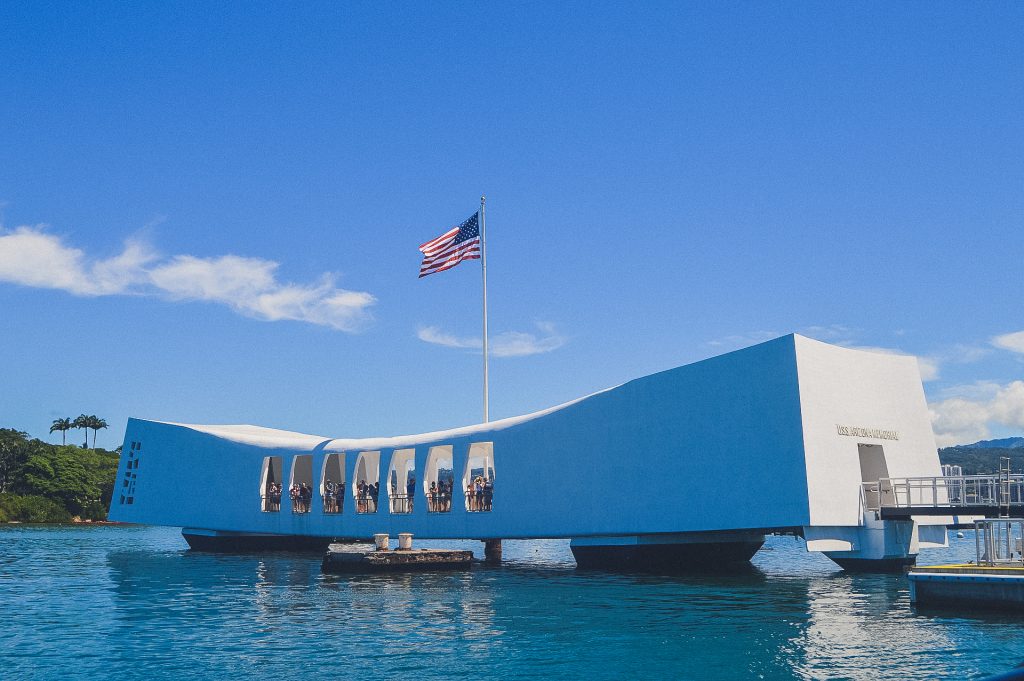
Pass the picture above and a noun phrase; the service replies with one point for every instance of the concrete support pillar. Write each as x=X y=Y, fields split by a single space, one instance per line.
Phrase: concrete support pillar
x=492 y=551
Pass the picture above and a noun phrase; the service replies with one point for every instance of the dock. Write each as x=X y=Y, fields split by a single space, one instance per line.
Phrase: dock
x=382 y=559
x=994 y=581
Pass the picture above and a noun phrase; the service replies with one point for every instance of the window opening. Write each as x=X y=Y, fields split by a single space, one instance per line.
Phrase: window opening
x=402 y=480
x=332 y=483
x=367 y=482
x=270 y=484
x=439 y=479
x=300 y=489
x=478 y=479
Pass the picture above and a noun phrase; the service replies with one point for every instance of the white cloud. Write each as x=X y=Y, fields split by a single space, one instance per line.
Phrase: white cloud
x=963 y=420
x=979 y=390
x=965 y=354
x=433 y=334
x=31 y=257
x=928 y=366
x=743 y=340
x=1010 y=341
x=834 y=333
x=518 y=344
x=507 y=344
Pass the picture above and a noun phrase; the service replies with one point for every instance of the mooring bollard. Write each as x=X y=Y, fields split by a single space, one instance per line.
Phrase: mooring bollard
x=381 y=542
x=405 y=541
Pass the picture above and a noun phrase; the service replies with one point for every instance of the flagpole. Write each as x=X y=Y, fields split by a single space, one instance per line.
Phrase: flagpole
x=483 y=269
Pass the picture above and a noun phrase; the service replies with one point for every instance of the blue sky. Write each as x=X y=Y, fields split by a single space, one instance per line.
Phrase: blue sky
x=210 y=212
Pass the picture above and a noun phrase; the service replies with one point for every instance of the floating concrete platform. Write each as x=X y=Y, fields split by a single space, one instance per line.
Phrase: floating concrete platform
x=968 y=585
x=400 y=560
x=220 y=541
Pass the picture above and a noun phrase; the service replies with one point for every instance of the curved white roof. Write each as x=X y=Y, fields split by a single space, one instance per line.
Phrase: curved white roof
x=258 y=436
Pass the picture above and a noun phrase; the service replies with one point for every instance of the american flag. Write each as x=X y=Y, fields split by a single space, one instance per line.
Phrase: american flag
x=448 y=250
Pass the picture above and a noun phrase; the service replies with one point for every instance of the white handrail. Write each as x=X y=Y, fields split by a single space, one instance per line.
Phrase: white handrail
x=959 y=491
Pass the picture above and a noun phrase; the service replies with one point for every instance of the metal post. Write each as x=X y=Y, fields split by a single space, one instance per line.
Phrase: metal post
x=1004 y=487
x=483 y=270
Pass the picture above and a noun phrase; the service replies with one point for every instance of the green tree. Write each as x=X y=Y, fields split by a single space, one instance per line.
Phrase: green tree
x=81 y=422
x=41 y=482
x=96 y=424
x=62 y=425
x=13 y=453
x=81 y=482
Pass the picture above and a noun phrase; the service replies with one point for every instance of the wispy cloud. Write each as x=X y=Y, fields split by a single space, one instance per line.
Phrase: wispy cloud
x=834 y=333
x=928 y=366
x=963 y=353
x=506 y=344
x=742 y=340
x=969 y=417
x=844 y=336
x=1010 y=341
x=30 y=256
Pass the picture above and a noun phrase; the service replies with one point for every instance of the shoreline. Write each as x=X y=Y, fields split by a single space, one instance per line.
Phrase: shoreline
x=88 y=523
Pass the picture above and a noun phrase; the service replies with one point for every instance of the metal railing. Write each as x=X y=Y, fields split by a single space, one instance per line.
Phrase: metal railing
x=439 y=502
x=955 y=492
x=333 y=505
x=366 y=503
x=998 y=542
x=401 y=503
x=479 y=502
x=301 y=504
x=270 y=503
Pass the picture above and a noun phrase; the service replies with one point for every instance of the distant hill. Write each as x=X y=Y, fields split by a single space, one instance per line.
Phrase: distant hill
x=983 y=457
x=1005 y=443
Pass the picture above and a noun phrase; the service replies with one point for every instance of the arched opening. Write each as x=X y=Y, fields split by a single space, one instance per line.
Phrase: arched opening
x=439 y=479
x=366 y=489
x=402 y=480
x=270 y=484
x=478 y=479
x=300 y=487
x=332 y=483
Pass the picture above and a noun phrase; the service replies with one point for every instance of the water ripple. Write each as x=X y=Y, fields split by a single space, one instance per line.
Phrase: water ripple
x=133 y=602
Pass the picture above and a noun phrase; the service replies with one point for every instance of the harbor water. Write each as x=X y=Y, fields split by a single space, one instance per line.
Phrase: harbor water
x=134 y=602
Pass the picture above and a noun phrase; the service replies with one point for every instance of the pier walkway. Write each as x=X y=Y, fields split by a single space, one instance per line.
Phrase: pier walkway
x=978 y=495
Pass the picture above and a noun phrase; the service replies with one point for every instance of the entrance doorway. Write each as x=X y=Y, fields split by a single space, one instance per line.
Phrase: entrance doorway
x=873 y=475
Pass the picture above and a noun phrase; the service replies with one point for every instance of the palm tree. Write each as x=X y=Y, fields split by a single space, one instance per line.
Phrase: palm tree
x=63 y=425
x=96 y=424
x=81 y=422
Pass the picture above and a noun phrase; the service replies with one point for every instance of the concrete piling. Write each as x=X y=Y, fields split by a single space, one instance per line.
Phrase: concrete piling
x=492 y=551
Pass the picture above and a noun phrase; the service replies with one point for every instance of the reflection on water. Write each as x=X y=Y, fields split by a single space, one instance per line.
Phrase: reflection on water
x=98 y=602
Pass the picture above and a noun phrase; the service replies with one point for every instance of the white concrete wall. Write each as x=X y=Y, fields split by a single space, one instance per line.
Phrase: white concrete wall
x=746 y=440
x=861 y=389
